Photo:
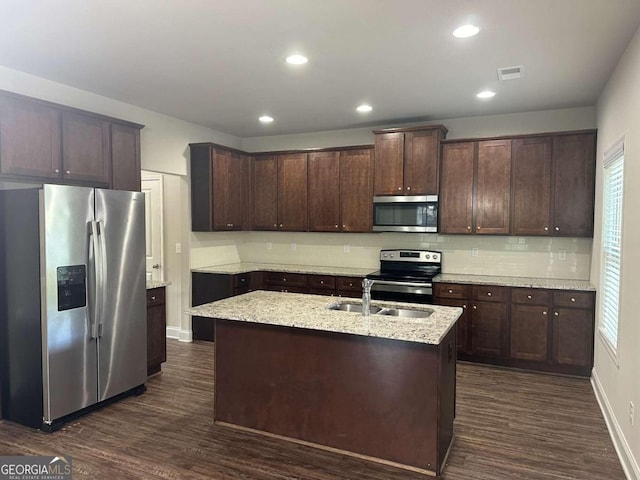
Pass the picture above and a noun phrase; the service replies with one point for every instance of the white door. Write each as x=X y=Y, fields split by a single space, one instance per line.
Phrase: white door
x=152 y=189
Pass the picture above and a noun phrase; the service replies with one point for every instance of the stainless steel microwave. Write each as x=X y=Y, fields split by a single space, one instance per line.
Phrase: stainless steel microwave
x=405 y=213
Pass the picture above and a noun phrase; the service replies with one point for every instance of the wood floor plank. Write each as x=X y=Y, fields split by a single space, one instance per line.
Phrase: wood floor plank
x=509 y=425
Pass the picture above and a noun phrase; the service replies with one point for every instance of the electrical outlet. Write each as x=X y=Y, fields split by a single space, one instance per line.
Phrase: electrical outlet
x=631 y=413
x=562 y=254
x=474 y=252
x=269 y=245
x=178 y=248
x=293 y=246
x=346 y=248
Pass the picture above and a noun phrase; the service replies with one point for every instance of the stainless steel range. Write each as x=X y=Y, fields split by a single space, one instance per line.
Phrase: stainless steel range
x=406 y=275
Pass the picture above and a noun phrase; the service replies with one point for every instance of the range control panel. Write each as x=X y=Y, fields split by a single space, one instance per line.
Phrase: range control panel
x=72 y=289
x=422 y=256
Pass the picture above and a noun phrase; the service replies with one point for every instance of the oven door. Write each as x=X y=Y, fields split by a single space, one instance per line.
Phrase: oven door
x=405 y=214
x=402 y=292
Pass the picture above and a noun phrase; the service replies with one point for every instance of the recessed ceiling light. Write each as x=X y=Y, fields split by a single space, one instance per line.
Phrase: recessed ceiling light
x=297 y=59
x=486 y=94
x=364 y=108
x=466 y=31
x=266 y=119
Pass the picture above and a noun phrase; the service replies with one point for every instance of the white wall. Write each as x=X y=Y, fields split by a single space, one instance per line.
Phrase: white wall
x=164 y=148
x=618 y=114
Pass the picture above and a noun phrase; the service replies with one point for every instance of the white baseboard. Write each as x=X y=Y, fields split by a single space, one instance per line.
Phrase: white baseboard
x=179 y=334
x=628 y=461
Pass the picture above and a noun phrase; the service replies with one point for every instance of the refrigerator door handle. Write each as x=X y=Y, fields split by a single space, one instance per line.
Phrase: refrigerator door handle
x=102 y=286
x=94 y=311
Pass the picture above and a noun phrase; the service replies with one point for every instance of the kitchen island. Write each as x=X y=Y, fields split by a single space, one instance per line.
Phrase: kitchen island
x=380 y=388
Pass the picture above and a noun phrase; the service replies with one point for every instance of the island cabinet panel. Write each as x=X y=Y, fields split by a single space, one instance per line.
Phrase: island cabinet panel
x=456 y=188
x=30 y=135
x=206 y=288
x=156 y=330
x=264 y=182
x=125 y=158
x=356 y=190
x=292 y=192
x=573 y=184
x=85 y=148
x=324 y=192
x=456 y=295
x=531 y=187
x=386 y=400
x=493 y=188
x=407 y=160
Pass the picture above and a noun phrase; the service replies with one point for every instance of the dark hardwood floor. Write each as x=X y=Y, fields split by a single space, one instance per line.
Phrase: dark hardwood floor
x=509 y=425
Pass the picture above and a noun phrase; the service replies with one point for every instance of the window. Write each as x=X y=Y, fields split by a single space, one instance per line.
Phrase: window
x=612 y=243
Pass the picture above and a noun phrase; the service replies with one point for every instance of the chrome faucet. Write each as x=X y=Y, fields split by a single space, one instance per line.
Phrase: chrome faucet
x=367 y=283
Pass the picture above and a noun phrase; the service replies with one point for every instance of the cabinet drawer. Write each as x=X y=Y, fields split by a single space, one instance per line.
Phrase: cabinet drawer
x=321 y=282
x=155 y=296
x=286 y=279
x=573 y=299
x=451 y=290
x=242 y=280
x=529 y=296
x=489 y=293
x=353 y=284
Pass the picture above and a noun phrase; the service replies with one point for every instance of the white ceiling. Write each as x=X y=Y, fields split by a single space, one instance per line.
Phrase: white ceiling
x=220 y=63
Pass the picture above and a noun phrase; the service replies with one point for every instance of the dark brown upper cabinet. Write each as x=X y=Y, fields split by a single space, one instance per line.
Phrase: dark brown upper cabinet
x=42 y=141
x=407 y=160
x=553 y=185
x=475 y=181
x=341 y=190
x=280 y=192
x=219 y=189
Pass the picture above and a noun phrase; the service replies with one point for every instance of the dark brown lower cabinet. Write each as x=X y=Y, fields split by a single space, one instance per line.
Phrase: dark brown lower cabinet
x=156 y=330
x=537 y=329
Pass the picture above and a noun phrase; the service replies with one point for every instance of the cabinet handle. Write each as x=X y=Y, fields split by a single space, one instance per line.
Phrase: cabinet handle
x=477 y=228
x=546 y=229
x=336 y=226
x=284 y=279
x=450 y=291
x=67 y=172
x=529 y=297
x=153 y=298
x=488 y=294
x=399 y=188
x=573 y=299
x=544 y=312
x=408 y=188
x=556 y=314
x=275 y=225
x=321 y=282
x=475 y=307
x=344 y=226
x=280 y=225
x=557 y=229
x=464 y=307
x=56 y=170
x=468 y=228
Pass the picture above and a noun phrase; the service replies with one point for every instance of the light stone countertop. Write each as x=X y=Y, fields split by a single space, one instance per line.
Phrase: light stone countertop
x=529 y=282
x=233 y=268
x=154 y=284
x=310 y=312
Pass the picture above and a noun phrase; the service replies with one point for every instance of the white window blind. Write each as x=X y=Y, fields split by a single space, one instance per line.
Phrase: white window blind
x=612 y=243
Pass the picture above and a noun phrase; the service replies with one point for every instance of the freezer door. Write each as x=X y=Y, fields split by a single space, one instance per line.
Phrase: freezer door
x=122 y=342
x=69 y=351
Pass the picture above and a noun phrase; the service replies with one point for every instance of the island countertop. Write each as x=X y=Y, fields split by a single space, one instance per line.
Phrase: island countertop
x=311 y=312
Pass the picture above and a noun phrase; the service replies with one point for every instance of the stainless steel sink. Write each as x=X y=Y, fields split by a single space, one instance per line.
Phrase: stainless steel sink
x=352 y=307
x=374 y=310
x=405 y=312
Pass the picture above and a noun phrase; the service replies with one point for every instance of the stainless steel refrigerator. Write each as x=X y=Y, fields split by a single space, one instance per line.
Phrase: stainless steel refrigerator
x=72 y=301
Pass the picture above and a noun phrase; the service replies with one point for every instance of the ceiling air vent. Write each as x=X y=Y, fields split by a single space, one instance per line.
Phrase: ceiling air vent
x=510 y=73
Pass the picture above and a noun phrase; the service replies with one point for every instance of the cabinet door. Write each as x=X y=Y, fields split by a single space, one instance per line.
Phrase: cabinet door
x=292 y=192
x=85 y=148
x=421 y=160
x=389 y=164
x=230 y=189
x=265 y=192
x=324 y=192
x=573 y=336
x=531 y=186
x=488 y=325
x=493 y=187
x=356 y=190
x=125 y=157
x=156 y=329
x=456 y=188
x=573 y=184
x=29 y=139
x=462 y=325
x=201 y=188
x=529 y=332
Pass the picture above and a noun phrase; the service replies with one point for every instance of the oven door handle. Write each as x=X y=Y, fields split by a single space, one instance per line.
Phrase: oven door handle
x=402 y=284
